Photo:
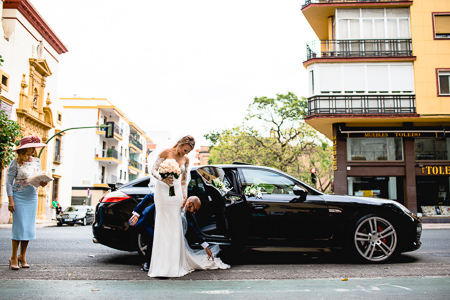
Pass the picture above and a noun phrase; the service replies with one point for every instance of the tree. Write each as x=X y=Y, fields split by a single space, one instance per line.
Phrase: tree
x=1 y=61
x=9 y=134
x=282 y=141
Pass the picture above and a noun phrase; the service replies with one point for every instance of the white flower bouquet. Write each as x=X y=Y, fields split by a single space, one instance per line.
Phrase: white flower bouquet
x=218 y=184
x=253 y=191
x=170 y=168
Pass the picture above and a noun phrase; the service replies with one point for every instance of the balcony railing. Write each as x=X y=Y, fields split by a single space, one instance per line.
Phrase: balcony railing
x=134 y=141
x=118 y=130
x=133 y=163
x=111 y=153
x=364 y=104
x=358 y=48
x=308 y=2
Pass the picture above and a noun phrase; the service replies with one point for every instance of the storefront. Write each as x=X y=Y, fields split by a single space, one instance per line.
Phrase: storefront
x=410 y=165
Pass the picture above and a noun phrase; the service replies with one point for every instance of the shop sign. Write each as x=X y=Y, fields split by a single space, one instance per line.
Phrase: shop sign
x=394 y=134
x=435 y=170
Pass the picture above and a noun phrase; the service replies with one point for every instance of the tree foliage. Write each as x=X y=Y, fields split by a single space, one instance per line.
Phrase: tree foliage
x=9 y=135
x=275 y=135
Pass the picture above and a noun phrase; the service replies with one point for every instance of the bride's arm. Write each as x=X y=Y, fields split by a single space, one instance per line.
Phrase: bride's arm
x=157 y=163
x=184 y=181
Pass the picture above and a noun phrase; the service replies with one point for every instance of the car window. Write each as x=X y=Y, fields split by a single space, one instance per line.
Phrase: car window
x=271 y=182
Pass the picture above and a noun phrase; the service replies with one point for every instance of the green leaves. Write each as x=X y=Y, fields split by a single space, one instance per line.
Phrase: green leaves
x=9 y=137
x=274 y=134
x=1 y=61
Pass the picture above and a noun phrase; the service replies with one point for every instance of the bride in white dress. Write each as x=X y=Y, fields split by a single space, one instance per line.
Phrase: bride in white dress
x=171 y=254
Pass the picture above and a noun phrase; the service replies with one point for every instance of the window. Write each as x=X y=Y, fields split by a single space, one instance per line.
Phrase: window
x=387 y=23
x=432 y=148
x=57 y=157
x=5 y=80
x=55 y=189
x=120 y=174
x=374 y=149
x=444 y=83
x=125 y=175
x=441 y=26
x=272 y=183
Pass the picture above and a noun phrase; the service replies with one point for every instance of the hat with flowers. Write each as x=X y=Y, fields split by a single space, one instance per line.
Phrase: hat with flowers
x=30 y=142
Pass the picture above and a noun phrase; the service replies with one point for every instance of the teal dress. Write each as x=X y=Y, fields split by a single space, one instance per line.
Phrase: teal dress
x=25 y=199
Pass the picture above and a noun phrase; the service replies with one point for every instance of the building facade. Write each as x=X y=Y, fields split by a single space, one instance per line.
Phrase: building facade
x=99 y=161
x=379 y=89
x=28 y=94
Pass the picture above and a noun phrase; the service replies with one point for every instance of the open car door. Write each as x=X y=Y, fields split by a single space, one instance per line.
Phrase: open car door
x=225 y=214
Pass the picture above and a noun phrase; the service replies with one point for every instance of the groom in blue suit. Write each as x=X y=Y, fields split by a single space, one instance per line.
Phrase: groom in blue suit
x=144 y=215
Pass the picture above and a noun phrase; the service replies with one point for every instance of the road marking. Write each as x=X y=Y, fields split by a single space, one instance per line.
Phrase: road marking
x=219 y=292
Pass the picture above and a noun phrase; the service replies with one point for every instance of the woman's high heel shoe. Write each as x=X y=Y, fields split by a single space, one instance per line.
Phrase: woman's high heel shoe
x=20 y=261
x=11 y=267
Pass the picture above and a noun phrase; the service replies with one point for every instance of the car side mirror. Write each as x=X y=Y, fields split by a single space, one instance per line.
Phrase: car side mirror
x=301 y=192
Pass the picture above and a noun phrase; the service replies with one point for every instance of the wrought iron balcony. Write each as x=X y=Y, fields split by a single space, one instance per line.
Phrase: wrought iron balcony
x=362 y=104
x=308 y=2
x=358 y=48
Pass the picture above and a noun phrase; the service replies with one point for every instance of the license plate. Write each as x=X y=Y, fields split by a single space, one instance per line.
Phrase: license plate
x=67 y=220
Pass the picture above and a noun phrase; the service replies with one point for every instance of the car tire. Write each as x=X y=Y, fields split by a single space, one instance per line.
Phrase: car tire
x=373 y=239
x=59 y=224
x=84 y=221
x=71 y=224
x=142 y=241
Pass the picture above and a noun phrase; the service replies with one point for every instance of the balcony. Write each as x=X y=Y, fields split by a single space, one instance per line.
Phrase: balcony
x=109 y=155
x=134 y=141
x=135 y=164
x=362 y=104
x=358 y=48
x=308 y=2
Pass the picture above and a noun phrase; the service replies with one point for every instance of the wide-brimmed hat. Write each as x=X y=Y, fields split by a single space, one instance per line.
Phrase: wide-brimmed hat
x=30 y=142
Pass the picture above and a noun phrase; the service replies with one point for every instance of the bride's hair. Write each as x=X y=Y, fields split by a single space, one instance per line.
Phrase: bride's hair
x=186 y=140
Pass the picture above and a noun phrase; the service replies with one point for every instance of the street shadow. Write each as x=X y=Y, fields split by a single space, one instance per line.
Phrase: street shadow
x=122 y=259
x=299 y=258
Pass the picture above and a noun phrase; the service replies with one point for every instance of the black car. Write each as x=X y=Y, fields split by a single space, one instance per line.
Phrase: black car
x=248 y=206
x=76 y=214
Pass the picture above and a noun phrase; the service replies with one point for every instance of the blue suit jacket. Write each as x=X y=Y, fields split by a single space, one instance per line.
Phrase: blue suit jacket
x=147 y=219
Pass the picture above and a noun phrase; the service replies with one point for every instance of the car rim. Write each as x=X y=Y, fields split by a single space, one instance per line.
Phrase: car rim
x=142 y=243
x=84 y=222
x=375 y=239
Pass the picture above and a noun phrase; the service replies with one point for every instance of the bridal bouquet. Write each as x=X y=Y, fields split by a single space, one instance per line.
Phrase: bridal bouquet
x=254 y=191
x=218 y=184
x=170 y=168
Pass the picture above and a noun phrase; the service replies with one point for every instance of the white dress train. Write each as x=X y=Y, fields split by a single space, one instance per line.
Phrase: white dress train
x=171 y=254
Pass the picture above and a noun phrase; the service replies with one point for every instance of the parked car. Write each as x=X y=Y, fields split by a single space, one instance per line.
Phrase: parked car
x=81 y=214
x=288 y=215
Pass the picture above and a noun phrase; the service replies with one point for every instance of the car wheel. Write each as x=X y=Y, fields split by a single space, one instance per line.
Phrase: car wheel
x=84 y=221
x=71 y=224
x=59 y=224
x=374 y=239
x=142 y=242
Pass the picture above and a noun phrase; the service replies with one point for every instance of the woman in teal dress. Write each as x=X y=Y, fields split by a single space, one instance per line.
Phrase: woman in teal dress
x=23 y=198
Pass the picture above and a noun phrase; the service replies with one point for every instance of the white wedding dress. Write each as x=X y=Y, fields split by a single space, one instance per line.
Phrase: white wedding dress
x=171 y=254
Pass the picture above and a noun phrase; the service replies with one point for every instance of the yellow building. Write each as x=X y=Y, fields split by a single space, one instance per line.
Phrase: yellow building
x=100 y=161
x=379 y=89
x=28 y=91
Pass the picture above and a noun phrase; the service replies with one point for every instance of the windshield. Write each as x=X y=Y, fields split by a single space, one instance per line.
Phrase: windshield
x=73 y=208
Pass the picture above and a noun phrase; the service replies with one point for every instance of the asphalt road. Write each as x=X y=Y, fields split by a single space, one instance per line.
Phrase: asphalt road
x=67 y=254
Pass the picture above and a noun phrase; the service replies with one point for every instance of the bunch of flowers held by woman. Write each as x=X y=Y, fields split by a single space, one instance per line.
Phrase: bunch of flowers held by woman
x=254 y=191
x=218 y=184
x=170 y=168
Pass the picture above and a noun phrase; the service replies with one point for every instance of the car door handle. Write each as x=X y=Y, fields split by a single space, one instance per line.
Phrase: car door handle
x=260 y=206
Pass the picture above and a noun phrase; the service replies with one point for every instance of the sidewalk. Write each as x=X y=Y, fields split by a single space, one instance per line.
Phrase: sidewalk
x=39 y=224
x=52 y=223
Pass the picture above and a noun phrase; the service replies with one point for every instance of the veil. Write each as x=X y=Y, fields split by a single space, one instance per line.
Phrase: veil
x=159 y=149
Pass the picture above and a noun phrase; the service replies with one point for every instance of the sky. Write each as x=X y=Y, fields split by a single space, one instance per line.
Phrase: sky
x=182 y=66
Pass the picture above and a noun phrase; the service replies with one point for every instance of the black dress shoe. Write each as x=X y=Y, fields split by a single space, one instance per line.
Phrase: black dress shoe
x=145 y=267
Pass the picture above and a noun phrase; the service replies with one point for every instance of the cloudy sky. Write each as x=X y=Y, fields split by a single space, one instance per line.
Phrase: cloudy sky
x=183 y=66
